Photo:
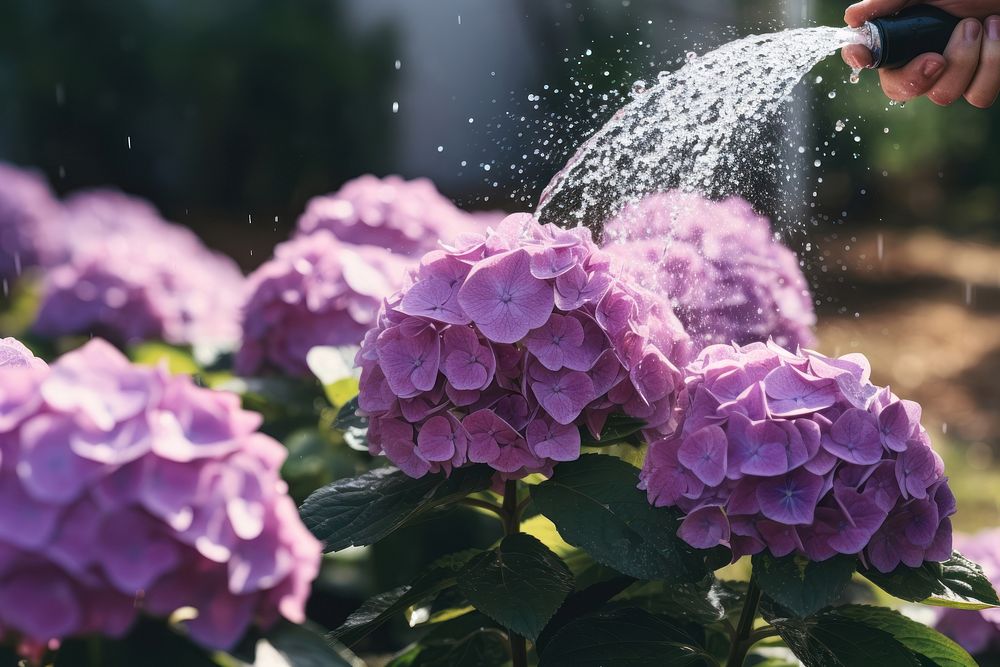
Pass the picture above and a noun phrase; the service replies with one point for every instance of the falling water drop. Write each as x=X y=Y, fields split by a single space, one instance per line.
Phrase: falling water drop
x=839 y=125
x=855 y=75
x=880 y=246
x=832 y=94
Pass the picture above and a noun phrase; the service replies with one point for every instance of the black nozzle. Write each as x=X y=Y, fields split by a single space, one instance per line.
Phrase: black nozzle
x=900 y=38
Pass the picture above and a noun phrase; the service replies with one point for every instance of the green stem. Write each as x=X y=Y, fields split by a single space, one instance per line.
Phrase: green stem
x=512 y=524
x=744 y=629
x=486 y=505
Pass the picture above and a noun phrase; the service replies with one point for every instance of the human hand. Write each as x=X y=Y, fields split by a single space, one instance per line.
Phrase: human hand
x=969 y=67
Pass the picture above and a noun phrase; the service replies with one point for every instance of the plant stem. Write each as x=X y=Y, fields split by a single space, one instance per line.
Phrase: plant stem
x=743 y=641
x=486 y=505
x=511 y=525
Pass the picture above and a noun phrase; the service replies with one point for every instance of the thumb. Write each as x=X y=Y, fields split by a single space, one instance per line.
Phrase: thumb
x=866 y=10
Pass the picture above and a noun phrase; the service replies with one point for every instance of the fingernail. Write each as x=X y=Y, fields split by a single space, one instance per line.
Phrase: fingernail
x=993 y=28
x=931 y=69
x=972 y=29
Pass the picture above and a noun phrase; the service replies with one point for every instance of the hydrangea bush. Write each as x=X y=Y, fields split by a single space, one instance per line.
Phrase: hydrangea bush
x=729 y=278
x=406 y=217
x=801 y=453
x=124 y=273
x=127 y=489
x=503 y=347
x=316 y=290
x=28 y=211
x=529 y=350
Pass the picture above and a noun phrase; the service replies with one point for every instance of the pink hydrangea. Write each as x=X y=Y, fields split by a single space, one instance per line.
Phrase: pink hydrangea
x=503 y=346
x=801 y=453
x=406 y=217
x=124 y=273
x=28 y=210
x=976 y=631
x=730 y=280
x=316 y=290
x=124 y=489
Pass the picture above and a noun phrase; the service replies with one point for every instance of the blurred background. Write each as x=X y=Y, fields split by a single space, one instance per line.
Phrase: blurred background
x=229 y=115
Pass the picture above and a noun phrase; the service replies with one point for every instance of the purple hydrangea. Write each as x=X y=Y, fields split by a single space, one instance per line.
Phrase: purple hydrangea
x=316 y=290
x=502 y=346
x=126 y=274
x=801 y=453
x=730 y=280
x=124 y=488
x=27 y=211
x=976 y=631
x=407 y=217
x=14 y=354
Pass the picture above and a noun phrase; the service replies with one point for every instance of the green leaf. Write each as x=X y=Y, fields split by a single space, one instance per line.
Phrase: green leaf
x=363 y=510
x=520 y=584
x=596 y=506
x=800 y=586
x=483 y=647
x=178 y=360
x=348 y=417
x=707 y=601
x=618 y=428
x=301 y=646
x=377 y=610
x=624 y=637
x=915 y=636
x=827 y=640
x=958 y=583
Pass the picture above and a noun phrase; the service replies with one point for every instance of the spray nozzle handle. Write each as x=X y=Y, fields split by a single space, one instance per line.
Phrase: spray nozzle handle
x=896 y=40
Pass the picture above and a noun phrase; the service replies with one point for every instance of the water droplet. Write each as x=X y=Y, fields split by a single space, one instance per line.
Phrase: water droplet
x=857 y=139
x=638 y=88
x=817 y=163
x=819 y=79
x=855 y=75
x=395 y=107
x=399 y=64
x=839 y=125
x=802 y=149
x=440 y=149
x=832 y=94
x=690 y=55
x=885 y=130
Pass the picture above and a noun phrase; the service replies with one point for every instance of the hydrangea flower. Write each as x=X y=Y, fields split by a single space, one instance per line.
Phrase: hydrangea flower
x=801 y=453
x=976 y=631
x=14 y=354
x=316 y=290
x=27 y=210
x=407 y=217
x=126 y=274
x=728 y=277
x=501 y=347
x=124 y=488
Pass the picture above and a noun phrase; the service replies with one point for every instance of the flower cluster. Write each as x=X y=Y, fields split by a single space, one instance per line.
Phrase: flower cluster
x=801 y=453
x=502 y=346
x=729 y=279
x=316 y=290
x=126 y=274
x=406 y=217
x=27 y=210
x=976 y=631
x=125 y=488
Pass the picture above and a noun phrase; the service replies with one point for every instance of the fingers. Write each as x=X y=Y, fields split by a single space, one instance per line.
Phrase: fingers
x=985 y=84
x=866 y=10
x=962 y=57
x=857 y=56
x=914 y=79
